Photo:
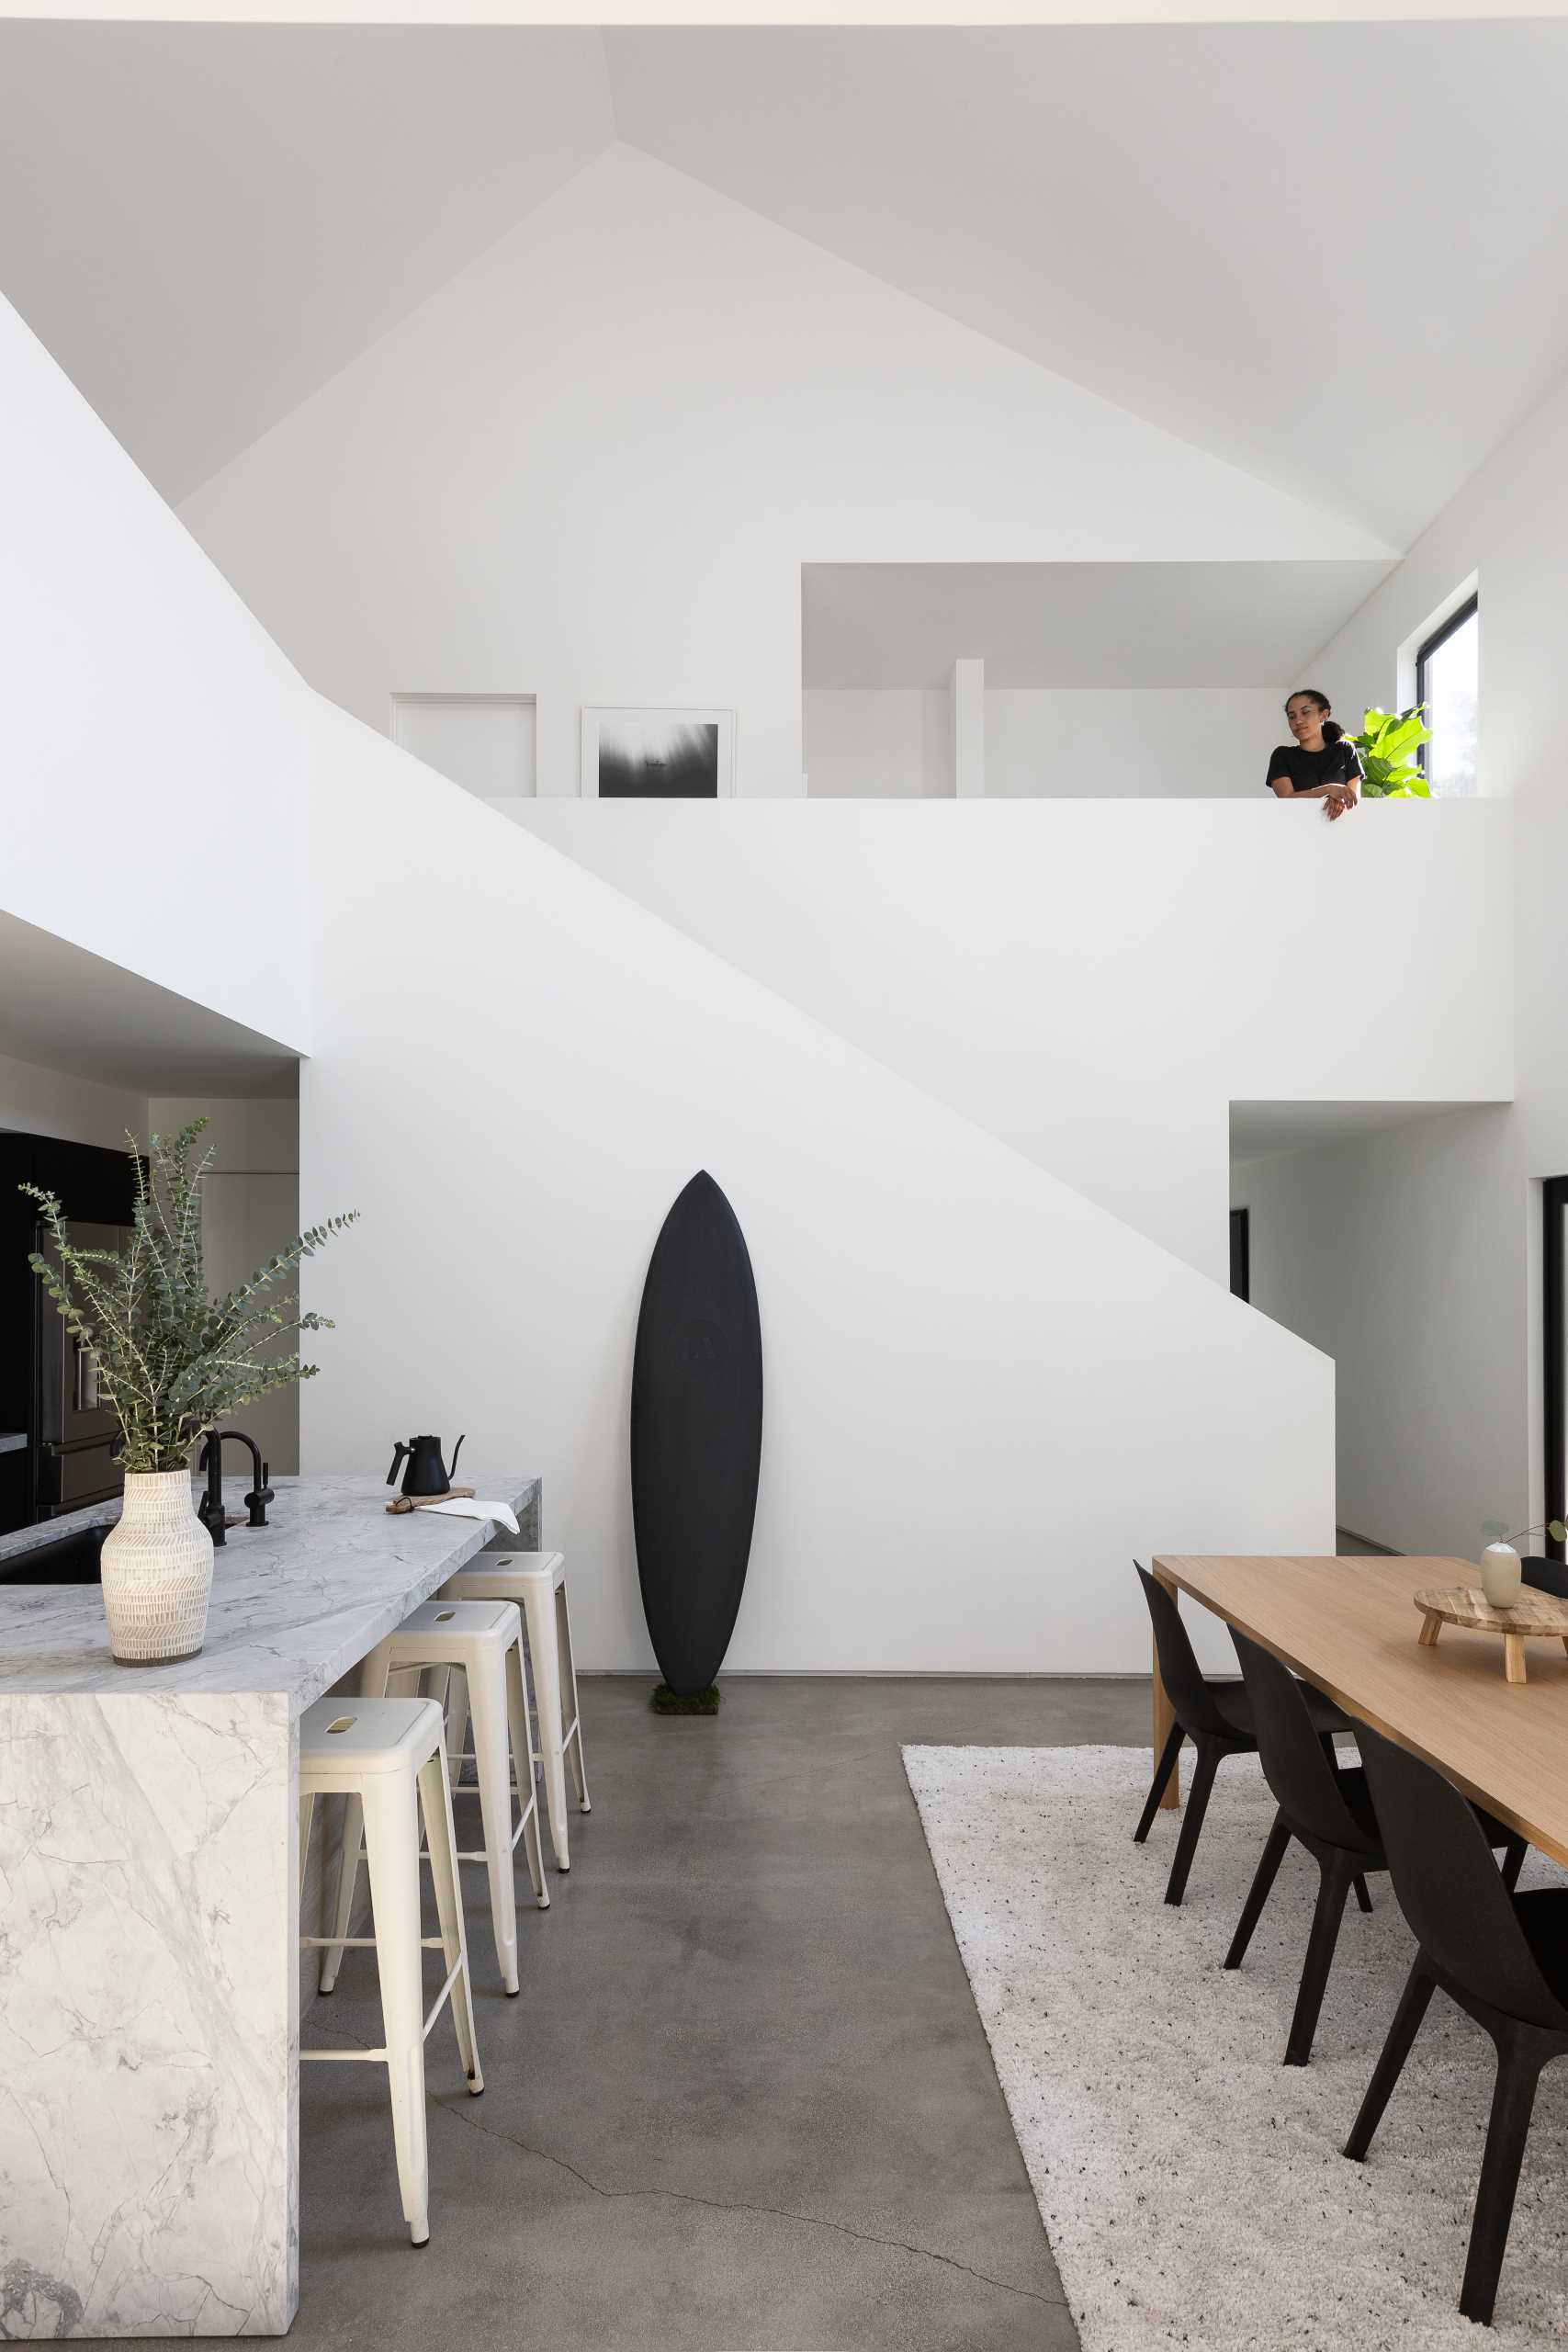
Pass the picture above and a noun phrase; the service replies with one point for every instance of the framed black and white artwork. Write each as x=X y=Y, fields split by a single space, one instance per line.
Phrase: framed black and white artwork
x=658 y=754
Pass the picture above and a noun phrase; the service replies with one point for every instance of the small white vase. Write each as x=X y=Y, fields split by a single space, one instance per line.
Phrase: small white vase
x=1500 y=1575
x=157 y=1570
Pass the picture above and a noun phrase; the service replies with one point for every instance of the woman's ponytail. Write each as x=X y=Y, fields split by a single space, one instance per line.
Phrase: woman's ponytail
x=1332 y=731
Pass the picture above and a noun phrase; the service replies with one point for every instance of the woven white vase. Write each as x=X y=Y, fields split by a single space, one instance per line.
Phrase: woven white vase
x=157 y=1568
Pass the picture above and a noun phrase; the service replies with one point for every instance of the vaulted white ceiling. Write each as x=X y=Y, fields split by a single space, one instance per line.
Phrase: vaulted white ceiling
x=204 y=223
x=1336 y=256
x=1333 y=254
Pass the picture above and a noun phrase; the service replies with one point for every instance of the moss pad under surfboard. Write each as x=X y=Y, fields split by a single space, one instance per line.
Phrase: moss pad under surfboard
x=665 y=1702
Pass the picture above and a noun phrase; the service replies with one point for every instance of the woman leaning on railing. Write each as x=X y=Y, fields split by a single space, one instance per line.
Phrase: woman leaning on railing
x=1321 y=764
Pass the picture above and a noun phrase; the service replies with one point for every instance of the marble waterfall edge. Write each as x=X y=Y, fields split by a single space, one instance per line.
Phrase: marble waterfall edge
x=150 y=2014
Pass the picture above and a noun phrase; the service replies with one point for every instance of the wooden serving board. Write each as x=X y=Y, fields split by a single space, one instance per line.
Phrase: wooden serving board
x=1540 y=1615
x=419 y=1502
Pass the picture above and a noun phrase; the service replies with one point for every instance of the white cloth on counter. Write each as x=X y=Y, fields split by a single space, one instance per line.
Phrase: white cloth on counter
x=466 y=1506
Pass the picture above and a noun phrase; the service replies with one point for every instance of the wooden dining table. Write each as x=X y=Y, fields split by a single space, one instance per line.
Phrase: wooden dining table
x=1351 y=1627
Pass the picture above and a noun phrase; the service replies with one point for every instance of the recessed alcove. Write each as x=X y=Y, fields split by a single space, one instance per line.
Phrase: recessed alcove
x=1113 y=680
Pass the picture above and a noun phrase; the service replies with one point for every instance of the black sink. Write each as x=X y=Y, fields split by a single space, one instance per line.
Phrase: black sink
x=75 y=1558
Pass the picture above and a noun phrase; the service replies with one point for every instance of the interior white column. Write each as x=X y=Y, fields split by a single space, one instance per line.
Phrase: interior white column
x=969 y=729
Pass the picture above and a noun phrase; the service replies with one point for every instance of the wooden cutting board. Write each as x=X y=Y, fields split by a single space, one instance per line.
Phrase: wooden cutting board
x=420 y=1502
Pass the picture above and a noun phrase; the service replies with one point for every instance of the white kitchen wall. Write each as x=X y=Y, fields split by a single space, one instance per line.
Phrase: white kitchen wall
x=151 y=731
x=596 y=461
x=36 y=1101
x=250 y=1212
x=1095 y=980
x=984 y=1393
x=1508 y=527
x=1386 y=1252
x=1139 y=742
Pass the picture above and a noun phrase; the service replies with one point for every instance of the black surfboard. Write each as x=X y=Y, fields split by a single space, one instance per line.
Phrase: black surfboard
x=696 y=1434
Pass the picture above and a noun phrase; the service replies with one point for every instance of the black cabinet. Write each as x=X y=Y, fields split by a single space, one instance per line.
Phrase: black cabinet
x=44 y=1388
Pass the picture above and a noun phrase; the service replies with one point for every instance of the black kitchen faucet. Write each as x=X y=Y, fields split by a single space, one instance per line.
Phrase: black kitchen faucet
x=210 y=1510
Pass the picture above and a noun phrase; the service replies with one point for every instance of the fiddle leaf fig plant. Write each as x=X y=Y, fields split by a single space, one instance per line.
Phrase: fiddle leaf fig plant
x=1388 y=745
x=172 y=1362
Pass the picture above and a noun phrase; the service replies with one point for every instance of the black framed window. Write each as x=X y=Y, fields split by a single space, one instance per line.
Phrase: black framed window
x=1447 y=683
x=1555 y=1351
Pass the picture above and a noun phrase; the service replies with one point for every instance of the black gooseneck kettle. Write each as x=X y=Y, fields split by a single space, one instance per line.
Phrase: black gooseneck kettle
x=426 y=1473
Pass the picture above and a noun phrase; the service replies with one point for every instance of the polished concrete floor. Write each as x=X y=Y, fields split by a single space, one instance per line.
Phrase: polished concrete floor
x=744 y=2103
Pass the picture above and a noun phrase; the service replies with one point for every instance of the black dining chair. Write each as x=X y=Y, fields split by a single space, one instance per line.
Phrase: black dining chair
x=1326 y=1808
x=1546 y=1576
x=1502 y=1957
x=1215 y=1717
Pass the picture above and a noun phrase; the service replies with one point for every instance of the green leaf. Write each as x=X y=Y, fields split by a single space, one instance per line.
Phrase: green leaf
x=172 y=1362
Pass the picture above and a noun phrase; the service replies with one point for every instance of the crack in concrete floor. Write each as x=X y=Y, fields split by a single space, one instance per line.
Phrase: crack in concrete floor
x=741 y=2205
x=464 y=2111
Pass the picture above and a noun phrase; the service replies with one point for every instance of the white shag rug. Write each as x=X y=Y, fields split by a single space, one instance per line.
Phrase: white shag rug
x=1192 y=2186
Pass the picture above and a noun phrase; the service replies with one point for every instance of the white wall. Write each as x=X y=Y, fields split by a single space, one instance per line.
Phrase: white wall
x=984 y=1393
x=152 y=742
x=877 y=742
x=974 y=1374
x=1096 y=980
x=36 y=1101
x=1142 y=742
x=592 y=466
x=1510 y=528
x=250 y=1212
x=1387 y=1253
x=151 y=735
x=1136 y=743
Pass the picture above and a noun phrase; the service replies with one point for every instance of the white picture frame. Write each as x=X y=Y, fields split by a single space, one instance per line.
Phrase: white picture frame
x=622 y=741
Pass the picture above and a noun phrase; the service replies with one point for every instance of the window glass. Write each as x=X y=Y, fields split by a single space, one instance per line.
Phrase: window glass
x=1447 y=679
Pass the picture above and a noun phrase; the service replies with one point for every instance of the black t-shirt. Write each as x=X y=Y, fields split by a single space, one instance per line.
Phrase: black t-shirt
x=1335 y=763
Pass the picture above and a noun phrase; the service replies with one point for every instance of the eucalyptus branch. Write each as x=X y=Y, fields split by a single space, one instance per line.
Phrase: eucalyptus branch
x=172 y=1362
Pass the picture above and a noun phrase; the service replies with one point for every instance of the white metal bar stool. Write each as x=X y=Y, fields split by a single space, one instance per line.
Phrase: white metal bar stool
x=483 y=1641
x=537 y=1581
x=380 y=1753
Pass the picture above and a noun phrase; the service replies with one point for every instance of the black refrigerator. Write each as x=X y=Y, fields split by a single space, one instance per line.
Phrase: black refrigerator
x=49 y=1396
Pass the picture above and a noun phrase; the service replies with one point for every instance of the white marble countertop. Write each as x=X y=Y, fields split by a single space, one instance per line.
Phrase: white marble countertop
x=295 y=1604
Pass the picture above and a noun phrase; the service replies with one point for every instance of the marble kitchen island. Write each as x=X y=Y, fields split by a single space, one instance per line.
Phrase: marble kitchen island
x=148 y=1914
